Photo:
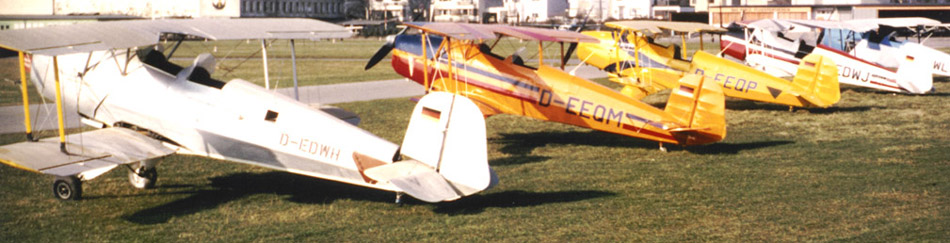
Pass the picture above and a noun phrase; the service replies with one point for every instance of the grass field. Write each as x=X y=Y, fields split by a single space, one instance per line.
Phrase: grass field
x=874 y=167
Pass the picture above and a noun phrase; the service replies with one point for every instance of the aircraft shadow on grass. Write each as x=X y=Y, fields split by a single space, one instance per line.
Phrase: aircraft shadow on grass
x=510 y=199
x=296 y=188
x=742 y=105
x=733 y=148
x=882 y=92
x=524 y=143
x=302 y=189
x=520 y=145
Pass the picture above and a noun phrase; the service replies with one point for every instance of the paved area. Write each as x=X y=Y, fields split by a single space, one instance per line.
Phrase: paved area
x=44 y=115
x=43 y=118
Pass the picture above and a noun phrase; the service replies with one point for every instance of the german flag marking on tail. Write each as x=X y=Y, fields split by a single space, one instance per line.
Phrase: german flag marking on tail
x=686 y=91
x=431 y=113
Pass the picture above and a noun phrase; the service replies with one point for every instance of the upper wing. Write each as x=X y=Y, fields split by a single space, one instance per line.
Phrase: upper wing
x=899 y=22
x=656 y=27
x=857 y=26
x=90 y=153
x=86 y=37
x=494 y=31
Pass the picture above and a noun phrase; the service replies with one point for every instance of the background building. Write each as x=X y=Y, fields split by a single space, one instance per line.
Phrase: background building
x=472 y=11
x=26 y=13
x=722 y=13
x=137 y=8
x=605 y=10
x=318 y=9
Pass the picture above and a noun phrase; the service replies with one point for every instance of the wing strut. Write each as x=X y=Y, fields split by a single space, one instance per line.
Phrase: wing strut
x=684 y=44
x=59 y=107
x=264 y=54
x=425 y=59
x=562 y=56
x=26 y=99
x=175 y=48
x=540 y=53
x=293 y=62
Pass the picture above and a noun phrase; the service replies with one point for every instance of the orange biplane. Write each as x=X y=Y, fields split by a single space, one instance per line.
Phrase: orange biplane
x=456 y=58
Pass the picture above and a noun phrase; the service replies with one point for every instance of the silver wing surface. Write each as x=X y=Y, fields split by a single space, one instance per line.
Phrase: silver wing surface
x=90 y=154
x=87 y=37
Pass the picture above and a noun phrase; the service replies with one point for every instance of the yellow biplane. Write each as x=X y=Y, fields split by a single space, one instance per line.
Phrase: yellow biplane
x=635 y=60
x=458 y=58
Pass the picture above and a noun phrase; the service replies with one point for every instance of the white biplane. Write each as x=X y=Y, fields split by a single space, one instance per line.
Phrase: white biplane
x=777 y=46
x=881 y=46
x=147 y=108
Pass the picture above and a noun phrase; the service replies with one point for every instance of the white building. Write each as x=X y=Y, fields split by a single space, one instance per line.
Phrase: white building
x=138 y=8
x=388 y=9
x=664 y=9
x=536 y=11
x=604 y=10
x=468 y=11
x=723 y=12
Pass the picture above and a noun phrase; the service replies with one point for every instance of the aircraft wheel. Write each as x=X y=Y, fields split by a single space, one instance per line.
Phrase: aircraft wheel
x=142 y=178
x=67 y=188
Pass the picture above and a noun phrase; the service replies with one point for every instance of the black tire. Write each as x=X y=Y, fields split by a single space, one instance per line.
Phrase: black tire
x=143 y=179
x=67 y=188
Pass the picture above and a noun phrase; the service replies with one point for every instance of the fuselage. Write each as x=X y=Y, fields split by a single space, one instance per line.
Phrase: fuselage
x=765 y=54
x=236 y=121
x=660 y=66
x=501 y=86
x=885 y=50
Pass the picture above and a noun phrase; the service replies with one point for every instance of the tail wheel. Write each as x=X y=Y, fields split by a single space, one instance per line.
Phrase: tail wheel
x=143 y=178
x=67 y=188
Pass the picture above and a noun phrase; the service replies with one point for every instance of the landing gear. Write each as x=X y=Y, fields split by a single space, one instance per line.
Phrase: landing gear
x=143 y=178
x=399 y=198
x=662 y=148
x=67 y=188
x=144 y=175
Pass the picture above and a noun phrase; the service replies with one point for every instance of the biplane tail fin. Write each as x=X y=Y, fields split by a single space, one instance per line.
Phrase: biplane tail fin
x=699 y=107
x=599 y=55
x=447 y=145
x=817 y=81
x=915 y=71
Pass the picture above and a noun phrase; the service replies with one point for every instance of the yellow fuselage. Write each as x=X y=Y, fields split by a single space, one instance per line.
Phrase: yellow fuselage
x=645 y=67
x=500 y=86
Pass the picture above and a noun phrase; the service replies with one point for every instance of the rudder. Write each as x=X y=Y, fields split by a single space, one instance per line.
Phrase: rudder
x=817 y=81
x=700 y=105
x=447 y=143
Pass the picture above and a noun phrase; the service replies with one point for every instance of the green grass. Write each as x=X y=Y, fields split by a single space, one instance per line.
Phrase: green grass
x=357 y=48
x=10 y=83
x=319 y=62
x=871 y=168
x=874 y=167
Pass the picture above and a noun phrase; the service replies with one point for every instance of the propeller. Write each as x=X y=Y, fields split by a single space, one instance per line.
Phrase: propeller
x=570 y=48
x=390 y=42
x=383 y=50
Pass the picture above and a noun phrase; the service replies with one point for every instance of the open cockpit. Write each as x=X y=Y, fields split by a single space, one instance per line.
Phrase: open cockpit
x=198 y=73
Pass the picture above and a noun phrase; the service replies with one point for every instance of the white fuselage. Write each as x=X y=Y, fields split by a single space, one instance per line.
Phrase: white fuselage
x=238 y=121
x=783 y=62
x=889 y=53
